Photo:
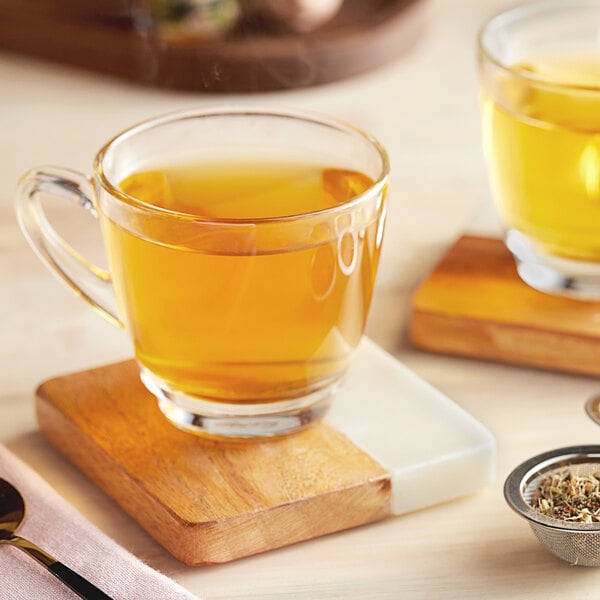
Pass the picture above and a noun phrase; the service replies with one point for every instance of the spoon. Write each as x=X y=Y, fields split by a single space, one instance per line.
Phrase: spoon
x=12 y=512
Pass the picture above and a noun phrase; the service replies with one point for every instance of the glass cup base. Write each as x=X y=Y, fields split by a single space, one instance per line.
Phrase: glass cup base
x=238 y=421
x=553 y=274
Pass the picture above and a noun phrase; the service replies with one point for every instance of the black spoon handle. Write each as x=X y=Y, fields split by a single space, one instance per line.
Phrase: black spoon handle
x=82 y=587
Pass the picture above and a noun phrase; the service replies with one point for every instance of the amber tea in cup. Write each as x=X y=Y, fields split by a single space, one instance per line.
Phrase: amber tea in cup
x=251 y=320
x=243 y=248
x=540 y=73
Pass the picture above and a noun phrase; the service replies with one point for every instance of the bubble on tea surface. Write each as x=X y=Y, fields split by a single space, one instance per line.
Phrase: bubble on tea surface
x=151 y=187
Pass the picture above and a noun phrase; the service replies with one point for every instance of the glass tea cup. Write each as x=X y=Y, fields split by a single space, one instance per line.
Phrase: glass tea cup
x=540 y=86
x=246 y=304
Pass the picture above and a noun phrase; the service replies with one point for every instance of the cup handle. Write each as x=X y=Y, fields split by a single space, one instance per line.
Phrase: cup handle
x=87 y=280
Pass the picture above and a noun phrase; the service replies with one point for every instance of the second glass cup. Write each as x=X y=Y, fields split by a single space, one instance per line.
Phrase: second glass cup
x=540 y=76
x=243 y=247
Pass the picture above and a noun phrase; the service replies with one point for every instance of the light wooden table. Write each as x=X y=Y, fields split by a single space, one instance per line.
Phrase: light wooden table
x=424 y=109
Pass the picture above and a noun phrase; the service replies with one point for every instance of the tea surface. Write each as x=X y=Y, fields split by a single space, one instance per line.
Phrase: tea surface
x=245 y=190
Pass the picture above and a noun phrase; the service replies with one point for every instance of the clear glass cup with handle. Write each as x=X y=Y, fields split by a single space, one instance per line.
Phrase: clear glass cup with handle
x=243 y=319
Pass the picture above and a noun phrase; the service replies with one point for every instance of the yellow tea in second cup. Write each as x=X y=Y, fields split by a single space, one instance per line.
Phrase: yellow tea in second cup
x=540 y=70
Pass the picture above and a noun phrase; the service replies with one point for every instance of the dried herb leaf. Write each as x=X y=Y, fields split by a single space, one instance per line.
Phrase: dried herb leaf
x=569 y=497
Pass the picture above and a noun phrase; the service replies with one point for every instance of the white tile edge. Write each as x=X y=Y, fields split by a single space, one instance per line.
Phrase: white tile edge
x=441 y=479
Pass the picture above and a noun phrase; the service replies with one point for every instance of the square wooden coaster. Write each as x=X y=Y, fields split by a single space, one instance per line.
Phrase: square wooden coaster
x=204 y=501
x=474 y=304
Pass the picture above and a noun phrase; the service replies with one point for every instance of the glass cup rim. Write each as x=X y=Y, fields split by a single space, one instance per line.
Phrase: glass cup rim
x=517 y=13
x=223 y=111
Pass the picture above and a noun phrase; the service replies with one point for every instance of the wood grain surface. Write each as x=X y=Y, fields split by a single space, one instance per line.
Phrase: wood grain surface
x=475 y=304
x=207 y=501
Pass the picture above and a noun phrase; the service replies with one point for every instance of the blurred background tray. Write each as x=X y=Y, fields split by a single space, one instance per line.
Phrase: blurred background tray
x=474 y=304
x=101 y=37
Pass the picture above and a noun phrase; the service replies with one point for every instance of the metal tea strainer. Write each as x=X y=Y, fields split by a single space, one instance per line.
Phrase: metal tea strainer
x=577 y=543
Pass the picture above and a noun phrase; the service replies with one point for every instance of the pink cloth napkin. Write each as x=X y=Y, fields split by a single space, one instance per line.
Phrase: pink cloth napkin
x=54 y=525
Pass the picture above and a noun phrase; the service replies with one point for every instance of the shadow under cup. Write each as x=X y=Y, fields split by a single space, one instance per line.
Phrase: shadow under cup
x=540 y=86
x=242 y=327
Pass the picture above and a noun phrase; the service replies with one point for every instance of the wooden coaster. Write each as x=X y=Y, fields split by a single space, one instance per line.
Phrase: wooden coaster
x=364 y=35
x=475 y=304
x=204 y=501
x=209 y=502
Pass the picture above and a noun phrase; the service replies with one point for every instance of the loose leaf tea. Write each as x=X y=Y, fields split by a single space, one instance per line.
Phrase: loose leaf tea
x=570 y=497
